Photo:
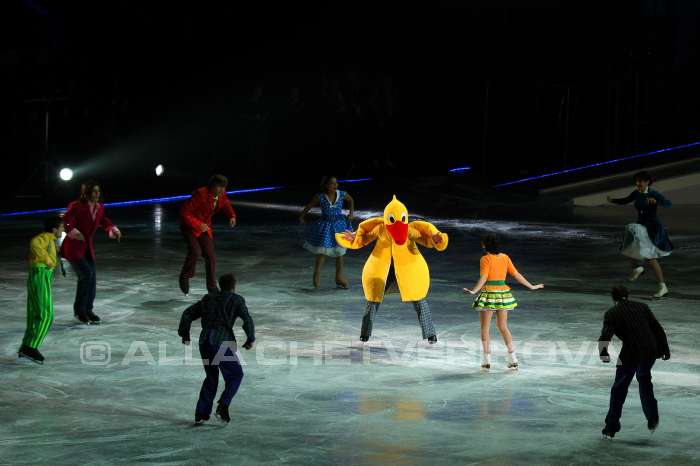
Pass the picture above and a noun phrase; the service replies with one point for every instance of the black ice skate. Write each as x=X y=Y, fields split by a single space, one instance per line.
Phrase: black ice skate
x=222 y=413
x=31 y=354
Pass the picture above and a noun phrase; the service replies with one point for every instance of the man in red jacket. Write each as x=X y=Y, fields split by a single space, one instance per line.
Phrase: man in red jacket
x=195 y=223
x=82 y=219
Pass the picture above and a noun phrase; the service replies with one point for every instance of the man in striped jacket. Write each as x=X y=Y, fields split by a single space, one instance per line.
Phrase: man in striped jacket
x=643 y=341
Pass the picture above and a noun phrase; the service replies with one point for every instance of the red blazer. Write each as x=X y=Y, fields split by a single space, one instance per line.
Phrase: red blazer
x=199 y=209
x=78 y=216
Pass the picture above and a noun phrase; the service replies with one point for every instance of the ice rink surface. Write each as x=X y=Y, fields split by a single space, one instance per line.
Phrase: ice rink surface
x=124 y=392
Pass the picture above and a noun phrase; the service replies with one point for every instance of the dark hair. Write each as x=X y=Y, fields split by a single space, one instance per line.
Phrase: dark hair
x=52 y=222
x=325 y=180
x=227 y=282
x=490 y=244
x=86 y=188
x=644 y=176
x=619 y=293
x=218 y=180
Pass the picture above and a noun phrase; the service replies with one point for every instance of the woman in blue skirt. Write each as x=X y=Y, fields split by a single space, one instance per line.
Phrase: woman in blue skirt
x=320 y=235
x=647 y=238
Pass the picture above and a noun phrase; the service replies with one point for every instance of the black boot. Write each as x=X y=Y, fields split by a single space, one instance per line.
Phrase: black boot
x=432 y=340
x=31 y=354
x=608 y=432
x=82 y=317
x=222 y=412
x=184 y=285
x=200 y=418
x=93 y=318
x=652 y=424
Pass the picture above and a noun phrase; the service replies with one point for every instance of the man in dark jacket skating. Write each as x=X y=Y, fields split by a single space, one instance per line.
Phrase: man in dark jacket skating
x=643 y=341
x=217 y=344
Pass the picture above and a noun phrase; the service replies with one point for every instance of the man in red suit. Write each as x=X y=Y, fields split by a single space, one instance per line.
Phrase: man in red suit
x=82 y=219
x=195 y=223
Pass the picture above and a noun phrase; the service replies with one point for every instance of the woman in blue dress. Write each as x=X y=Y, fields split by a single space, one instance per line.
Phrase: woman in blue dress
x=647 y=239
x=320 y=235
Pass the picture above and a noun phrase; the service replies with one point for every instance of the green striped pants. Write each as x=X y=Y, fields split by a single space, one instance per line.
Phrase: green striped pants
x=39 y=306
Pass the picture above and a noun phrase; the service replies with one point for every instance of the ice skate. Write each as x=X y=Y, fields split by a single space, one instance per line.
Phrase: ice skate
x=31 y=354
x=222 y=413
x=184 y=285
x=486 y=361
x=635 y=273
x=652 y=425
x=663 y=291
x=512 y=361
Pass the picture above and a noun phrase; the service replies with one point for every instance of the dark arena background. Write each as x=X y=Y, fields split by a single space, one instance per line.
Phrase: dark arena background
x=570 y=131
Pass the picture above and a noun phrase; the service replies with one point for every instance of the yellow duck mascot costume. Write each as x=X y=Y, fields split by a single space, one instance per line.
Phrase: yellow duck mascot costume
x=396 y=240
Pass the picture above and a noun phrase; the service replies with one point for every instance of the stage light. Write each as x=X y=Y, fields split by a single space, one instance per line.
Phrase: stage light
x=66 y=174
x=460 y=169
x=160 y=169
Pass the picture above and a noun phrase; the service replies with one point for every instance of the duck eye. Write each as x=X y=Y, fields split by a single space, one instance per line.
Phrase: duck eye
x=392 y=219
x=403 y=217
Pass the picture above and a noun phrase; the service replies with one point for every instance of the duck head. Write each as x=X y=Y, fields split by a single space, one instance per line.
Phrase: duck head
x=396 y=221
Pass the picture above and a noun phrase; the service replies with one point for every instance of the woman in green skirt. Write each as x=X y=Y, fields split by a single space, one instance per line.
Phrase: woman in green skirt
x=493 y=295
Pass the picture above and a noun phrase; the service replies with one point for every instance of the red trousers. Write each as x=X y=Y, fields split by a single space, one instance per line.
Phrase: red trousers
x=202 y=246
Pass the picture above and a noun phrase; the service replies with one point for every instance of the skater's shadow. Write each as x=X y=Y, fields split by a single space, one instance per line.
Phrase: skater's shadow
x=372 y=350
x=637 y=443
x=169 y=304
x=473 y=374
x=70 y=325
x=308 y=290
x=320 y=291
x=14 y=362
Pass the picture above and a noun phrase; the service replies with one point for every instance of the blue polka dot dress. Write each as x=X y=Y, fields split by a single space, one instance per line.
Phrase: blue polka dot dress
x=319 y=237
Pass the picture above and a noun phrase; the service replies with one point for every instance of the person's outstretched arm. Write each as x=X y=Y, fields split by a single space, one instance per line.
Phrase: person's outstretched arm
x=479 y=285
x=623 y=200
x=520 y=279
x=309 y=205
x=523 y=281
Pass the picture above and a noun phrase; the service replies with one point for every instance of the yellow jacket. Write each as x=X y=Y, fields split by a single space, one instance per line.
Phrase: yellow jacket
x=396 y=240
x=42 y=250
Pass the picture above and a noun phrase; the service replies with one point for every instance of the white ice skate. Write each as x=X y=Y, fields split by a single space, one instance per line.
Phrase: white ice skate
x=635 y=273
x=485 y=361
x=663 y=291
x=512 y=361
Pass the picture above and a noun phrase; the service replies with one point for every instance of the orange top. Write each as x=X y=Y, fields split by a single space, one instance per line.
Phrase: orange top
x=496 y=267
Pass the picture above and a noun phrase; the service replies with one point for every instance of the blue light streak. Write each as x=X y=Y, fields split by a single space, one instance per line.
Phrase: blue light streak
x=460 y=169
x=356 y=180
x=154 y=200
x=594 y=165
